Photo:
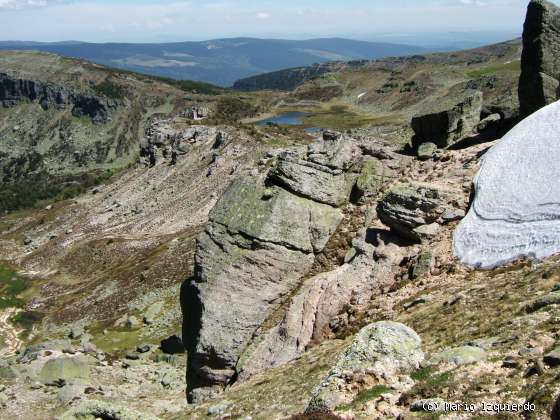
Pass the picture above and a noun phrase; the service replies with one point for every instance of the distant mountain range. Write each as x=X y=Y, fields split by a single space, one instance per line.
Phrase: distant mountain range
x=221 y=61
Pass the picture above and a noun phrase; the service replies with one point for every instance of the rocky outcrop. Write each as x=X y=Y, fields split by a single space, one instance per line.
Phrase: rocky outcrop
x=516 y=210
x=321 y=298
x=413 y=210
x=540 y=60
x=105 y=410
x=14 y=90
x=458 y=356
x=319 y=172
x=372 y=178
x=448 y=119
x=262 y=237
x=164 y=144
x=381 y=350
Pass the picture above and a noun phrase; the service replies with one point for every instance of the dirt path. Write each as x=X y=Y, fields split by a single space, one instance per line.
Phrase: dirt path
x=9 y=333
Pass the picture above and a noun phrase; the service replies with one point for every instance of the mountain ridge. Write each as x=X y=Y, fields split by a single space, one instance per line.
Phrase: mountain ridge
x=205 y=60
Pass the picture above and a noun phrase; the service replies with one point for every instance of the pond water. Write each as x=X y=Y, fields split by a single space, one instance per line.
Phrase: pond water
x=287 y=118
x=290 y=118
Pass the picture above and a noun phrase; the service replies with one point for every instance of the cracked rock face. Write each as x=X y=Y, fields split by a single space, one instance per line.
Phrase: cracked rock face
x=13 y=91
x=320 y=300
x=252 y=253
x=261 y=239
x=448 y=120
x=540 y=61
x=516 y=210
x=413 y=209
x=319 y=172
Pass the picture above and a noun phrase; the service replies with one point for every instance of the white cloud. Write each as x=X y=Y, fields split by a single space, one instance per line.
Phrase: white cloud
x=22 y=4
x=263 y=15
x=175 y=20
x=473 y=2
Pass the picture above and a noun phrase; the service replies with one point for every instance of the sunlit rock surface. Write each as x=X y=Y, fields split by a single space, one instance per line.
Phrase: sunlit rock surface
x=516 y=211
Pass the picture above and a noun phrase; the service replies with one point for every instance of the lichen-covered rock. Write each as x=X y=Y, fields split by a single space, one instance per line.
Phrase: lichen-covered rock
x=370 y=180
x=552 y=298
x=411 y=209
x=422 y=265
x=259 y=242
x=460 y=356
x=426 y=151
x=64 y=369
x=448 y=120
x=319 y=172
x=516 y=209
x=274 y=215
x=384 y=348
x=540 y=60
x=101 y=409
x=319 y=300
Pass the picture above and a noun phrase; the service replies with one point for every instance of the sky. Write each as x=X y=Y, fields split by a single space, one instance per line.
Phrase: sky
x=177 y=20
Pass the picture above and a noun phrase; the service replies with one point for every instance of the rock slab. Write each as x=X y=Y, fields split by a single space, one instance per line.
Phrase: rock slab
x=448 y=120
x=540 y=60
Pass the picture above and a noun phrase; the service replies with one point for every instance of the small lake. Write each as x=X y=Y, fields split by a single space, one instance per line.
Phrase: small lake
x=287 y=118
x=290 y=118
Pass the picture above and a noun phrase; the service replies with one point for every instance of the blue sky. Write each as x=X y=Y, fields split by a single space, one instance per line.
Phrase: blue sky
x=177 y=20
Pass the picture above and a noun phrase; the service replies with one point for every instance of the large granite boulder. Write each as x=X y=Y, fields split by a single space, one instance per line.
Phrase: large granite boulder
x=413 y=209
x=516 y=209
x=64 y=370
x=261 y=239
x=540 y=60
x=319 y=172
x=383 y=349
x=448 y=119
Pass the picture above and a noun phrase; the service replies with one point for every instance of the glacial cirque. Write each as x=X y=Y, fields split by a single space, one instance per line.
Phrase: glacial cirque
x=516 y=210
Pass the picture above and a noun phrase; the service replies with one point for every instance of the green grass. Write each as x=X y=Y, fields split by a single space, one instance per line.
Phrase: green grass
x=110 y=90
x=231 y=108
x=185 y=85
x=344 y=119
x=11 y=285
x=117 y=340
x=495 y=68
x=365 y=396
x=25 y=320
x=31 y=193
x=422 y=374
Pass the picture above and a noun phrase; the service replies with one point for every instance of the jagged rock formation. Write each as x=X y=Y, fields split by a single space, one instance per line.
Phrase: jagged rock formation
x=14 y=90
x=163 y=143
x=516 y=210
x=413 y=209
x=540 y=61
x=380 y=350
x=262 y=238
x=448 y=119
x=318 y=172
